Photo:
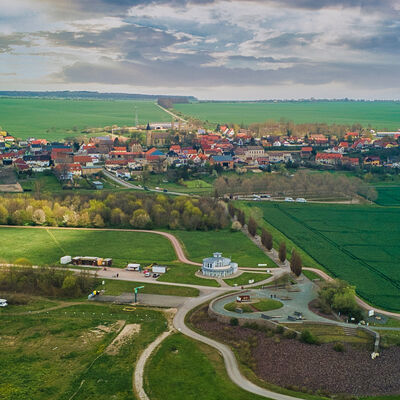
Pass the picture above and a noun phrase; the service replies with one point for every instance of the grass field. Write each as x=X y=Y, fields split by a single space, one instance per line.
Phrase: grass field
x=199 y=373
x=243 y=279
x=46 y=246
x=58 y=354
x=360 y=244
x=57 y=119
x=388 y=195
x=185 y=273
x=116 y=287
x=380 y=115
x=234 y=245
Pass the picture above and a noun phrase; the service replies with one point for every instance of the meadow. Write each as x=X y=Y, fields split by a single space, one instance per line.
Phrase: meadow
x=379 y=115
x=47 y=246
x=201 y=376
x=57 y=119
x=359 y=244
x=235 y=245
x=61 y=355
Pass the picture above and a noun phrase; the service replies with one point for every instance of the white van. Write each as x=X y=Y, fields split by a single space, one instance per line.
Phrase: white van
x=289 y=199
x=301 y=200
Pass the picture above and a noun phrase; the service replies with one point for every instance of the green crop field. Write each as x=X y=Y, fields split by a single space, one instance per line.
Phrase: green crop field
x=388 y=195
x=57 y=119
x=235 y=245
x=380 y=115
x=360 y=244
x=62 y=354
x=46 y=246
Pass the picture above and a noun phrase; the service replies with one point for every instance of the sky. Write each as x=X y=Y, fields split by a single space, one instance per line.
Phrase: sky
x=211 y=49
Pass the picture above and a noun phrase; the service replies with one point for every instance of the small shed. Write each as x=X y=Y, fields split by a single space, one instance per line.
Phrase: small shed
x=65 y=260
x=159 y=269
x=98 y=185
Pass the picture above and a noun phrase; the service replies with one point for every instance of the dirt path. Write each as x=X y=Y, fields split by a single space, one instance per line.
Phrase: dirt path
x=170 y=113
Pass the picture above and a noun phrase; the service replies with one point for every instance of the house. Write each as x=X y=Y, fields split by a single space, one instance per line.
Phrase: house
x=159 y=139
x=254 y=152
x=136 y=147
x=67 y=171
x=226 y=162
x=98 y=185
x=351 y=161
x=372 y=160
x=218 y=266
x=318 y=138
x=328 y=158
x=84 y=161
x=306 y=152
x=279 y=157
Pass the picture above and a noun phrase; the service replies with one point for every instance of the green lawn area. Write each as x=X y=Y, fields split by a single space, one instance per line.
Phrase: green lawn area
x=388 y=195
x=383 y=115
x=199 y=373
x=359 y=244
x=56 y=354
x=235 y=245
x=46 y=246
x=57 y=119
x=260 y=305
x=116 y=287
x=185 y=273
x=311 y=275
x=48 y=183
x=243 y=279
x=197 y=183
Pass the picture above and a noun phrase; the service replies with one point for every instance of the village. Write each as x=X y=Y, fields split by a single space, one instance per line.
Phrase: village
x=159 y=147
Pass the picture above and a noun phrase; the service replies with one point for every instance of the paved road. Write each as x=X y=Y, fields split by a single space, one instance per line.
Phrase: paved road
x=129 y=185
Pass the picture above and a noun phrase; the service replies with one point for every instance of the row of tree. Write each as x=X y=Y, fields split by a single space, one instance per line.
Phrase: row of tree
x=301 y=184
x=45 y=281
x=125 y=210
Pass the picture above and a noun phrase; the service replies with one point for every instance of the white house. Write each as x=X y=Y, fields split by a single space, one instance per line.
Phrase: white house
x=218 y=266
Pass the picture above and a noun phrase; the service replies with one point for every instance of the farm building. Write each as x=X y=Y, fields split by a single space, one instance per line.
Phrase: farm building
x=218 y=266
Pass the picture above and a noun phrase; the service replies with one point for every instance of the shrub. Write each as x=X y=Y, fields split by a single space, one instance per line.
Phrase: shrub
x=234 y=322
x=279 y=329
x=307 y=337
x=236 y=226
x=289 y=334
x=339 y=347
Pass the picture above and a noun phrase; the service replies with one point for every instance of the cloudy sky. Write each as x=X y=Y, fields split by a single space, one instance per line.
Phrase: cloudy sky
x=212 y=49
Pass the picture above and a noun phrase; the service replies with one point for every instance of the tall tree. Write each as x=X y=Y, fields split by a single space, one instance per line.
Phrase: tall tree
x=266 y=239
x=282 y=251
x=252 y=226
x=296 y=263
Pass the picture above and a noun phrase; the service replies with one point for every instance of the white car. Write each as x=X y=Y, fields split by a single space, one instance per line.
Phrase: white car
x=289 y=199
x=301 y=200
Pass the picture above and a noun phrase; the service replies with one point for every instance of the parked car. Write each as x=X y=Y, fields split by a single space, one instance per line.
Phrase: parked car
x=165 y=190
x=3 y=303
x=301 y=200
x=289 y=199
x=156 y=275
x=147 y=274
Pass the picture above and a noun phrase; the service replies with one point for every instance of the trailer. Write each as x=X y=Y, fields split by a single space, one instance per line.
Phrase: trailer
x=159 y=269
x=92 y=261
x=243 y=298
x=133 y=267
x=65 y=260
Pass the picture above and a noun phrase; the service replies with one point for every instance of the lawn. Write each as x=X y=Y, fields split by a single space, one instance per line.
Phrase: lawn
x=58 y=354
x=48 y=183
x=199 y=373
x=245 y=277
x=116 y=287
x=360 y=244
x=260 y=305
x=57 y=119
x=185 y=273
x=46 y=246
x=383 y=115
x=235 y=245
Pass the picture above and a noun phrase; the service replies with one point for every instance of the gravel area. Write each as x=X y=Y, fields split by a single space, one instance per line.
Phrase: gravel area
x=290 y=363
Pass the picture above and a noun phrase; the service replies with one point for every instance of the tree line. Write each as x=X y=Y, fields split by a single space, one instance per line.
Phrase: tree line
x=299 y=184
x=47 y=282
x=122 y=210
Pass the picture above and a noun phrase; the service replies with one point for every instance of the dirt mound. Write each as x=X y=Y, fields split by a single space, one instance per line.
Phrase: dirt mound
x=127 y=332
